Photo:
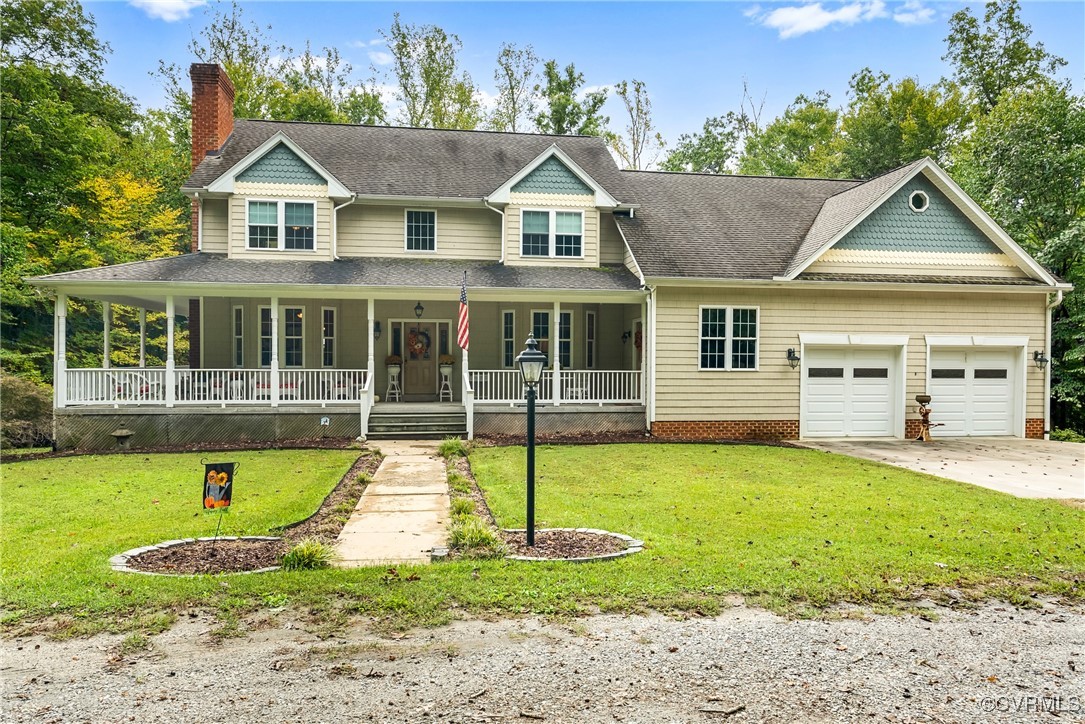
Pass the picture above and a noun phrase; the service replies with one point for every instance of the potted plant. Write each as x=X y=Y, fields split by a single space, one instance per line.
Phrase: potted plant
x=393 y=362
x=445 y=362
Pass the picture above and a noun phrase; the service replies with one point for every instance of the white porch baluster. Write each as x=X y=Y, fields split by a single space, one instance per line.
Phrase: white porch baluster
x=107 y=329
x=60 y=357
x=171 y=369
x=555 y=351
x=274 y=351
x=643 y=349
x=142 y=338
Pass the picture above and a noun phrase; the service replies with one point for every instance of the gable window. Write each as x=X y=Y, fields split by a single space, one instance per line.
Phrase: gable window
x=282 y=225
x=421 y=230
x=508 y=338
x=552 y=233
x=918 y=201
x=728 y=338
x=327 y=336
x=239 y=337
x=293 y=337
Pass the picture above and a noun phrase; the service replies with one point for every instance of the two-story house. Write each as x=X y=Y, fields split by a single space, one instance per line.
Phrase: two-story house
x=324 y=284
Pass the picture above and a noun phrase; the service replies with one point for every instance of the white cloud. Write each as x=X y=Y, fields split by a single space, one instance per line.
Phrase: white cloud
x=796 y=20
x=168 y=10
x=366 y=43
x=380 y=57
x=913 y=12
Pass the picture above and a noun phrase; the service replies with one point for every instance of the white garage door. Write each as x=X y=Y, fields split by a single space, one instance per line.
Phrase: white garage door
x=973 y=391
x=849 y=392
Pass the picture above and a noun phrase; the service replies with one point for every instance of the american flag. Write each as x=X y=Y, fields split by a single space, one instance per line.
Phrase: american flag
x=463 y=335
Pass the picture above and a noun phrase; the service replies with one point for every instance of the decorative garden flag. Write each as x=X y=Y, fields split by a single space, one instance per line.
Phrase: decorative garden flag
x=463 y=331
x=218 y=485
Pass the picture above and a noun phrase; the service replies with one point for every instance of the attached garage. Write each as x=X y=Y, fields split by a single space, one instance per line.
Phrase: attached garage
x=851 y=391
x=975 y=391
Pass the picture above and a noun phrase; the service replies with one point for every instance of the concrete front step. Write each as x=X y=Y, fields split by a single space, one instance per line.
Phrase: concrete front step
x=415 y=434
x=418 y=419
x=430 y=425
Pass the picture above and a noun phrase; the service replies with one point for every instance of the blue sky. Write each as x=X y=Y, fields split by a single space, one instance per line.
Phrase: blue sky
x=694 y=57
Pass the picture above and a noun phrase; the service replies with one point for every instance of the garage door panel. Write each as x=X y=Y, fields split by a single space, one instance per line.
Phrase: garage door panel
x=973 y=392
x=849 y=392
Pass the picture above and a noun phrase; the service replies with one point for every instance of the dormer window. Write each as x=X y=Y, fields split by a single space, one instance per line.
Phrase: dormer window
x=421 y=230
x=552 y=233
x=282 y=225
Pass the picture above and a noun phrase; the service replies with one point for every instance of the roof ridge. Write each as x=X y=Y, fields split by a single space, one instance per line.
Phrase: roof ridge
x=881 y=175
x=739 y=175
x=418 y=128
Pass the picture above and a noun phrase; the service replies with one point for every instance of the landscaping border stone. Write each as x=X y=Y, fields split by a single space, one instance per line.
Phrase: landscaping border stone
x=632 y=545
x=120 y=561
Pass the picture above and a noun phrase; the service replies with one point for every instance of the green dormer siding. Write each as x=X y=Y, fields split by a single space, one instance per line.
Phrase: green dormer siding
x=552 y=177
x=894 y=226
x=280 y=165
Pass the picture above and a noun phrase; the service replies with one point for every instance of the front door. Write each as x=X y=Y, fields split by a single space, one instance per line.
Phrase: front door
x=420 y=362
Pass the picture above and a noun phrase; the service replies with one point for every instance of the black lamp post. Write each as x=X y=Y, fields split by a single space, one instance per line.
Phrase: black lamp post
x=531 y=363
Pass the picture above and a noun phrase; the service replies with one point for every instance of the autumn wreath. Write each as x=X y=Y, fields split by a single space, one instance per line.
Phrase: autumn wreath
x=417 y=342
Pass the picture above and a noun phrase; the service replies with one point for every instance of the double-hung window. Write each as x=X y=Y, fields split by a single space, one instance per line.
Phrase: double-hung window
x=728 y=337
x=282 y=225
x=589 y=340
x=540 y=329
x=327 y=337
x=293 y=337
x=552 y=233
x=421 y=230
x=265 y=336
x=239 y=337
x=565 y=339
x=508 y=338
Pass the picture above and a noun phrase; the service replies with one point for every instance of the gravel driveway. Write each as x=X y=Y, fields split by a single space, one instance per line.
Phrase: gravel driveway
x=989 y=664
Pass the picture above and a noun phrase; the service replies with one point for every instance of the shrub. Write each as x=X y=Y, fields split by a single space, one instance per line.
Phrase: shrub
x=27 y=412
x=474 y=539
x=452 y=447
x=462 y=506
x=308 y=555
x=458 y=482
x=1067 y=436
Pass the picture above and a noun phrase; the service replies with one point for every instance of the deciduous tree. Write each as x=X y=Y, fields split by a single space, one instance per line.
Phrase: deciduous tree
x=566 y=110
x=641 y=145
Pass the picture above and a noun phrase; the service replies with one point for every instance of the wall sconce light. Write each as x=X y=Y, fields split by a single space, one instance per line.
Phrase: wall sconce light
x=376 y=330
x=1039 y=359
x=792 y=358
x=626 y=335
x=418 y=309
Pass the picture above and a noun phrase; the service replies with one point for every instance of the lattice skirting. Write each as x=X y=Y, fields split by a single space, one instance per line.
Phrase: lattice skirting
x=559 y=421
x=90 y=430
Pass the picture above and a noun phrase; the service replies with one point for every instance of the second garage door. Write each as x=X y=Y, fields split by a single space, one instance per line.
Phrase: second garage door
x=850 y=392
x=973 y=391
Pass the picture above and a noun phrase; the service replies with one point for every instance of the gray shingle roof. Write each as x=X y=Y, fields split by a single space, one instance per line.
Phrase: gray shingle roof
x=722 y=227
x=844 y=208
x=383 y=161
x=216 y=269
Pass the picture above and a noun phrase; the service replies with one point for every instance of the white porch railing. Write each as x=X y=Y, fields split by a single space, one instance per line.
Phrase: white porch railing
x=578 y=387
x=224 y=387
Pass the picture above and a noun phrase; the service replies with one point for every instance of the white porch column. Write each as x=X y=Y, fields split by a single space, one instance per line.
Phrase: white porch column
x=643 y=350
x=171 y=370
x=274 y=351
x=142 y=338
x=107 y=329
x=555 y=339
x=371 y=349
x=60 y=353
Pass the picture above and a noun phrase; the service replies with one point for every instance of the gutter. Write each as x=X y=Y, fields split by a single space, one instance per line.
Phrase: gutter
x=335 y=226
x=1047 y=370
x=504 y=239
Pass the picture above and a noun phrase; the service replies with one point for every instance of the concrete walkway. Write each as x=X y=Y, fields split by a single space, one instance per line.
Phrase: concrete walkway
x=403 y=513
x=1025 y=468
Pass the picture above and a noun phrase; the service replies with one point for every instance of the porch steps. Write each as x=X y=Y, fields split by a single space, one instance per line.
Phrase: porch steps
x=417 y=423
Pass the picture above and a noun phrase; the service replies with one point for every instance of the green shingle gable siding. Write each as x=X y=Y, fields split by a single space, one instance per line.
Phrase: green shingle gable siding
x=280 y=165
x=895 y=227
x=552 y=177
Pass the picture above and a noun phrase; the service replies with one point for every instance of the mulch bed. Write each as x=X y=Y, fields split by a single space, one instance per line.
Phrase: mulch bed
x=224 y=556
x=561 y=544
x=238 y=555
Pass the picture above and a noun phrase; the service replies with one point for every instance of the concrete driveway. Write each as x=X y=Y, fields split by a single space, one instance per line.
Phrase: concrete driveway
x=1025 y=468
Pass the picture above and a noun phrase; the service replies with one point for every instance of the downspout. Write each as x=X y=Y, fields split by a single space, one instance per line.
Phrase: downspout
x=199 y=221
x=335 y=226
x=504 y=241
x=1047 y=369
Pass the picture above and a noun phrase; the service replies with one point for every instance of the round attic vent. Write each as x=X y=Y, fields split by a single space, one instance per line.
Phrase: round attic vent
x=919 y=201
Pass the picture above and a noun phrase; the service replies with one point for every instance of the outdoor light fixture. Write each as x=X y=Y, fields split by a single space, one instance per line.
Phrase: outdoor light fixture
x=418 y=309
x=792 y=358
x=376 y=330
x=531 y=363
x=1039 y=358
x=626 y=335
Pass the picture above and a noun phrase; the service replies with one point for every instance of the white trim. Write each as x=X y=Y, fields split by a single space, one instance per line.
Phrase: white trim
x=334 y=338
x=199 y=223
x=846 y=340
x=238 y=331
x=225 y=182
x=653 y=325
x=504 y=339
x=203 y=347
x=280 y=211
x=406 y=225
x=728 y=321
x=502 y=194
x=629 y=249
x=552 y=232
x=282 y=316
x=592 y=342
x=961 y=200
x=1020 y=401
x=974 y=340
x=549 y=330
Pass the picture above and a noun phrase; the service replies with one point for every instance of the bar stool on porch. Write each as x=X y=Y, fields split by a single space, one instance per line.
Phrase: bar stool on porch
x=394 y=391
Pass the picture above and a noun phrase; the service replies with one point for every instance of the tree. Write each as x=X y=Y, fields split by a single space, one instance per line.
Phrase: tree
x=51 y=35
x=996 y=57
x=798 y=143
x=564 y=113
x=515 y=80
x=889 y=124
x=1025 y=164
x=433 y=91
x=713 y=150
x=642 y=144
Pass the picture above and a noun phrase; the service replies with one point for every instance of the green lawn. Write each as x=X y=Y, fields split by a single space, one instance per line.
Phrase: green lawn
x=790 y=529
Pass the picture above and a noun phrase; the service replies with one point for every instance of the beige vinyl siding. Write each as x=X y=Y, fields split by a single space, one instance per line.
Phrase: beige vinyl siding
x=611 y=246
x=590 y=240
x=852 y=261
x=239 y=229
x=215 y=226
x=772 y=393
x=366 y=230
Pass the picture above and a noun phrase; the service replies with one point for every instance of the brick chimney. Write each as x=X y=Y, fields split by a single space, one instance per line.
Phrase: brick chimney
x=212 y=123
